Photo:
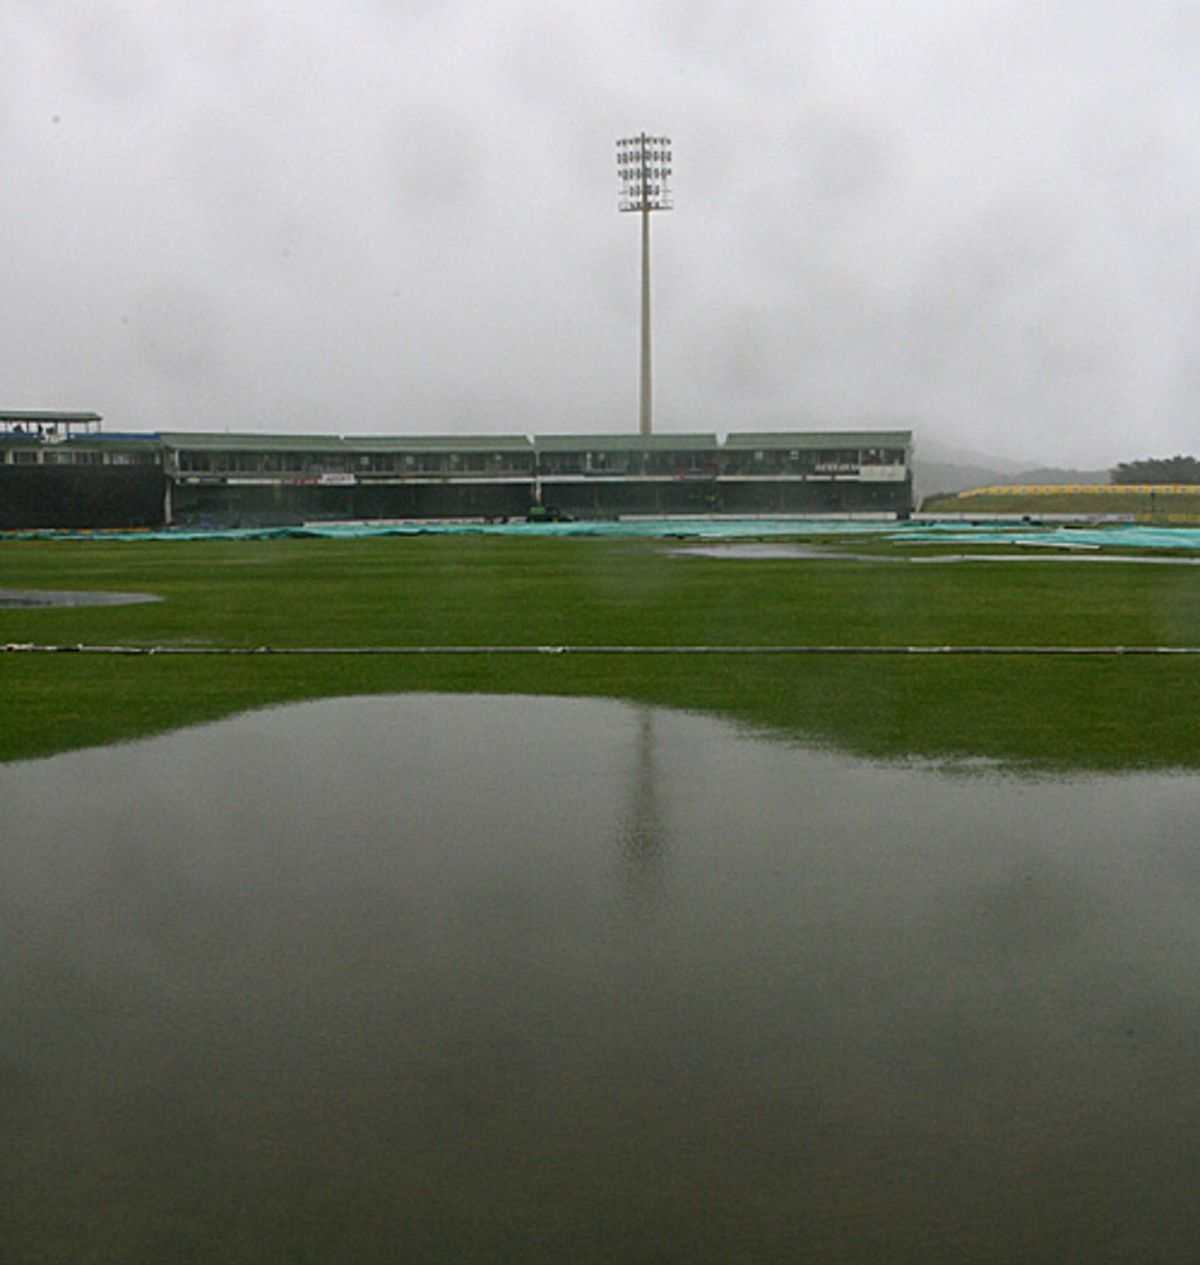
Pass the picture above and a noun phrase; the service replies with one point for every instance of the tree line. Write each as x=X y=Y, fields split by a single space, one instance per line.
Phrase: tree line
x=1178 y=469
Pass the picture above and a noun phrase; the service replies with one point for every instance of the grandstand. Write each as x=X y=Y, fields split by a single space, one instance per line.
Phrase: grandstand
x=64 y=470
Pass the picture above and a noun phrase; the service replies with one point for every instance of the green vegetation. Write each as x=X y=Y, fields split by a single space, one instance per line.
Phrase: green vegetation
x=1177 y=469
x=1145 y=507
x=1057 y=712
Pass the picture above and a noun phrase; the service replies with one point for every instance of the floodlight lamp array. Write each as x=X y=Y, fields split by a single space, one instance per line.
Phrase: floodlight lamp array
x=644 y=167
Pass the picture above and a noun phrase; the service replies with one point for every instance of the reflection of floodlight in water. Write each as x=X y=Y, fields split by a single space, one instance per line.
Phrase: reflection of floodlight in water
x=644 y=838
x=644 y=165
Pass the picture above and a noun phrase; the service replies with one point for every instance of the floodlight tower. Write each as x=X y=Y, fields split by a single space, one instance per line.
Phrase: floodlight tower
x=644 y=165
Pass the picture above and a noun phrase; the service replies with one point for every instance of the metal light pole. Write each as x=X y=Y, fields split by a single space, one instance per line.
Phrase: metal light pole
x=644 y=165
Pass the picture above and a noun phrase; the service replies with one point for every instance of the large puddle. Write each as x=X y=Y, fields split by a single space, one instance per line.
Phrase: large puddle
x=775 y=552
x=475 y=979
x=72 y=597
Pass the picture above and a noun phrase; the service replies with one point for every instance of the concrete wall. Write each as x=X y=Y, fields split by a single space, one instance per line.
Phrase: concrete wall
x=80 y=496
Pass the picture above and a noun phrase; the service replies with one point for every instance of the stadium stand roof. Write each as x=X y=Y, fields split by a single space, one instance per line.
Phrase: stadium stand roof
x=819 y=439
x=42 y=415
x=247 y=442
x=621 y=443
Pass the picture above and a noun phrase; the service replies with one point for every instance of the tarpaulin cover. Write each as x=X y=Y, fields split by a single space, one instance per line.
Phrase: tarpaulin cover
x=660 y=528
x=1117 y=536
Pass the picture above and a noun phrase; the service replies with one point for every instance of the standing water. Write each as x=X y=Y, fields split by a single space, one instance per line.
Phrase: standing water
x=506 y=979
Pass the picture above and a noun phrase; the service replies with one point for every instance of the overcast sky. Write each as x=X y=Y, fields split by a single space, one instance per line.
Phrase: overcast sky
x=979 y=219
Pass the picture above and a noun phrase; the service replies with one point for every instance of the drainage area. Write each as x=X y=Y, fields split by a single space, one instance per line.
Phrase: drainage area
x=473 y=979
x=66 y=597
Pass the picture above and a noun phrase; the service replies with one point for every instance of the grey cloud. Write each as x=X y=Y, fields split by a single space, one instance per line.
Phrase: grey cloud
x=228 y=40
x=404 y=215
x=841 y=156
x=546 y=58
x=739 y=355
x=437 y=164
x=110 y=57
x=402 y=13
x=179 y=334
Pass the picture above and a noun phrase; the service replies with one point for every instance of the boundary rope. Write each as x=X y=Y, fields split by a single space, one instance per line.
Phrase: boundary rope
x=34 y=648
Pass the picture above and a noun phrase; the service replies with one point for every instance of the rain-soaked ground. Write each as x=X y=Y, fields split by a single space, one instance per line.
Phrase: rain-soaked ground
x=773 y=551
x=477 y=979
x=72 y=597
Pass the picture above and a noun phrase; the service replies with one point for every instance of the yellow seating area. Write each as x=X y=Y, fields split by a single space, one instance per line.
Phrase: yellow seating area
x=1106 y=489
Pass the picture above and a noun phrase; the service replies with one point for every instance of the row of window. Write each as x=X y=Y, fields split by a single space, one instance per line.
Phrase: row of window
x=80 y=457
x=350 y=463
x=656 y=462
x=665 y=461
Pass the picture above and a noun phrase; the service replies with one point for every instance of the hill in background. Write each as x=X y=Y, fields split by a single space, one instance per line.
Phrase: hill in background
x=939 y=467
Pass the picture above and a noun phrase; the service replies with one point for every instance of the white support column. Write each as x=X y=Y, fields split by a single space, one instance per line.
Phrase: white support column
x=646 y=406
x=644 y=167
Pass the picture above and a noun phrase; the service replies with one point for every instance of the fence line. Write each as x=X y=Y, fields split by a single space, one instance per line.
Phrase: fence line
x=34 y=648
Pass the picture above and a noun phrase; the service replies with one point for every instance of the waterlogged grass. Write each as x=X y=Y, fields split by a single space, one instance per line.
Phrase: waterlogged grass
x=1102 y=713
x=1161 y=507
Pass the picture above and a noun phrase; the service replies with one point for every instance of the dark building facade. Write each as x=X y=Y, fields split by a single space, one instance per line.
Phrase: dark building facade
x=62 y=470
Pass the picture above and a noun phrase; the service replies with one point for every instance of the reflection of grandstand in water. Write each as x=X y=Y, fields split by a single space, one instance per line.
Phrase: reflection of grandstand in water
x=644 y=839
x=63 y=470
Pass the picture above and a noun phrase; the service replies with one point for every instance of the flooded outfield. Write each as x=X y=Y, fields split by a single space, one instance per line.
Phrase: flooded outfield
x=776 y=552
x=489 y=979
x=72 y=597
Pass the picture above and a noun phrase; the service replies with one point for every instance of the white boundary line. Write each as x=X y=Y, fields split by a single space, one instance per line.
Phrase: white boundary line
x=35 y=648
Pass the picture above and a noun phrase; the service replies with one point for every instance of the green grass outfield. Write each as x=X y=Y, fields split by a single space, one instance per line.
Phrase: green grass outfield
x=1052 y=712
x=1166 y=507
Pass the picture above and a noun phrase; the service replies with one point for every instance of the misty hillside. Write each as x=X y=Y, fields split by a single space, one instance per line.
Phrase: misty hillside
x=942 y=467
x=943 y=476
